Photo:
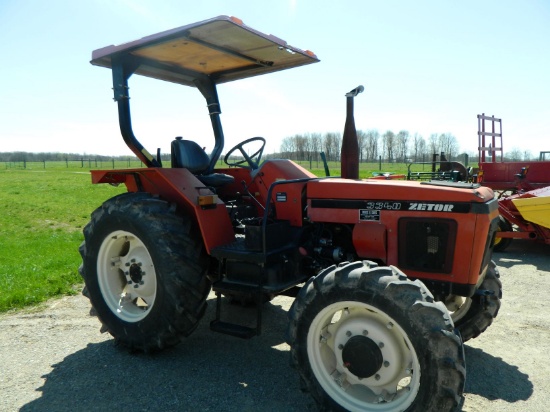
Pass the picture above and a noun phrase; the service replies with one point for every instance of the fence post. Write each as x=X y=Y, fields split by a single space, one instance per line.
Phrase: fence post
x=44 y=163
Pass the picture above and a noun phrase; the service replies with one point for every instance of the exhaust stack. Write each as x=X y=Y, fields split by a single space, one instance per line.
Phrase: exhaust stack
x=349 y=154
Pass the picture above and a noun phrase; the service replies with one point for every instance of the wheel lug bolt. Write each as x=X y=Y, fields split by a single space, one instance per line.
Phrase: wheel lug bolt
x=127 y=264
x=365 y=332
x=141 y=282
x=348 y=333
x=340 y=346
x=386 y=364
x=133 y=260
x=136 y=286
x=381 y=345
x=139 y=264
x=377 y=377
x=129 y=282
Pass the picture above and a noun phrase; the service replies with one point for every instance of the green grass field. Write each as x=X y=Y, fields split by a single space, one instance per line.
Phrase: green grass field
x=42 y=214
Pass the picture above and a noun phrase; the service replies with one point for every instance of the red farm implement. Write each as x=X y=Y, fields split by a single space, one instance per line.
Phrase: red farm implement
x=524 y=187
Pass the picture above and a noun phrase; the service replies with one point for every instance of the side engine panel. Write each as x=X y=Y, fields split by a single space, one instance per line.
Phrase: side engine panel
x=442 y=233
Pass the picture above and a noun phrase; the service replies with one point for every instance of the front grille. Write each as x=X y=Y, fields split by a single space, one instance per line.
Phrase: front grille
x=427 y=244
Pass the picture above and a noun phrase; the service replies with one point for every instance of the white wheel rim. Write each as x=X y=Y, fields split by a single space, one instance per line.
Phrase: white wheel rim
x=457 y=306
x=392 y=388
x=126 y=276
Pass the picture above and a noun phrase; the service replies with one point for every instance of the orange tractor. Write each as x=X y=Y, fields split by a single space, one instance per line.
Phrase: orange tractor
x=363 y=334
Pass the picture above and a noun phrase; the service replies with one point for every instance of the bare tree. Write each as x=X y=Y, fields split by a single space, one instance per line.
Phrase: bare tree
x=388 y=140
x=288 y=149
x=423 y=150
x=332 y=143
x=316 y=145
x=514 y=155
x=419 y=145
x=361 y=141
x=402 y=143
x=448 y=144
x=371 y=145
x=433 y=144
x=300 y=143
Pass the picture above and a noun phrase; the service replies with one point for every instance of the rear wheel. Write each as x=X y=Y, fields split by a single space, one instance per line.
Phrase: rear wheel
x=369 y=339
x=145 y=271
x=474 y=315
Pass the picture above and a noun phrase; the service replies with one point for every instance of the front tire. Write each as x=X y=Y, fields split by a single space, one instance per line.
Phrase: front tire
x=368 y=339
x=145 y=271
x=472 y=316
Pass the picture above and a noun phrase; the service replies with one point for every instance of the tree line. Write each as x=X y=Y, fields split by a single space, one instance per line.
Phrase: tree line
x=373 y=146
x=60 y=157
x=389 y=146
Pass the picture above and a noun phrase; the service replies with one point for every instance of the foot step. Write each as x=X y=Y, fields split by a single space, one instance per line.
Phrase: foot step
x=239 y=331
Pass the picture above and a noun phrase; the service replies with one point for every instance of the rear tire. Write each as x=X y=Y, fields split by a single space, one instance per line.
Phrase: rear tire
x=145 y=271
x=474 y=315
x=368 y=339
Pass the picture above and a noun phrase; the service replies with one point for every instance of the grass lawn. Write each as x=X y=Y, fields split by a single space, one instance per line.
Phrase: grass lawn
x=42 y=214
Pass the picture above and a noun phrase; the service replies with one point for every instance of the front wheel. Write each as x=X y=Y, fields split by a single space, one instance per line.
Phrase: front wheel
x=474 y=315
x=368 y=339
x=145 y=271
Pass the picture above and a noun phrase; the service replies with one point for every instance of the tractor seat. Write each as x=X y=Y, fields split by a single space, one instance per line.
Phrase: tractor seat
x=189 y=155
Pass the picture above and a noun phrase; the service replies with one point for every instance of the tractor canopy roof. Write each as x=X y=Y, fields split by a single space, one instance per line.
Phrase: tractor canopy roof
x=201 y=55
x=222 y=48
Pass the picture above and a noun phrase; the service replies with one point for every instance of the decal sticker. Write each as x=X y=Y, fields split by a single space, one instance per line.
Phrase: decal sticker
x=280 y=196
x=366 y=214
x=392 y=205
x=383 y=205
x=432 y=207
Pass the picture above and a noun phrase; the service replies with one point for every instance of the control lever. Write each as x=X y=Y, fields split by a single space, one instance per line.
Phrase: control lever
x=251 y=195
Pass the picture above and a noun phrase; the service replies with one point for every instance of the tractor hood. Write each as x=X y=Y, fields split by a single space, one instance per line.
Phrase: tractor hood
x=358 y=192
x=222 y=48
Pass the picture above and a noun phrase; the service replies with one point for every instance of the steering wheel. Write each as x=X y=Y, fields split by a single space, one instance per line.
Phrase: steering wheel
x=253 y=160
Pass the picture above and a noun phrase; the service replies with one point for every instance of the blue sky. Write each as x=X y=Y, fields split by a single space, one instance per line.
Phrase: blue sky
x=427 y=67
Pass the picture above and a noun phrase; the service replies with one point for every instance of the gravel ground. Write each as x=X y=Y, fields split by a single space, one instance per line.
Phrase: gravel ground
x=53 y=358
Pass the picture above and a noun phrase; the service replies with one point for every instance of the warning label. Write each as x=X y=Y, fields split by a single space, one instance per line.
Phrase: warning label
x=367 y=214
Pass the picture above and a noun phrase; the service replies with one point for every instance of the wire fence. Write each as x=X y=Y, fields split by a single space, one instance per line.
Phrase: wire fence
x=73 y=164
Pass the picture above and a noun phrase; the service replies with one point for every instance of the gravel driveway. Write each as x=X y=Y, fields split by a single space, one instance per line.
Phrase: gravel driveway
x=54 y=358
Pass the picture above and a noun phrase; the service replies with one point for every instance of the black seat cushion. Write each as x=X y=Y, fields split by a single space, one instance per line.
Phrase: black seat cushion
x=189 y=155
x=216 y=179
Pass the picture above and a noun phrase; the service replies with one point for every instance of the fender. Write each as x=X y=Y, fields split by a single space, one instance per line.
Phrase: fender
x=180 y=187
